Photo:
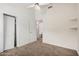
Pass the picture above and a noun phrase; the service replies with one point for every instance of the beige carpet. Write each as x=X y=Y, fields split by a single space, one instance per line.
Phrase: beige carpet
x=39 y=49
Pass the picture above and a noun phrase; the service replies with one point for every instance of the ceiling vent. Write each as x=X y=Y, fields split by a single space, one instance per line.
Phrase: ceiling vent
x=50 y=6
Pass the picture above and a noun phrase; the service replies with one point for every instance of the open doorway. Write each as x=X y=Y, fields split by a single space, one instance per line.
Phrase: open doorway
x=9 y=32
x=39 y=23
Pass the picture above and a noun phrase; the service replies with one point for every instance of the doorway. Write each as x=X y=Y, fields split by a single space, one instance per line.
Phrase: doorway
x=9 y=32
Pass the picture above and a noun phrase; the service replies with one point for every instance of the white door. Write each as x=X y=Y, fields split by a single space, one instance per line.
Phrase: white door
x=9 y=32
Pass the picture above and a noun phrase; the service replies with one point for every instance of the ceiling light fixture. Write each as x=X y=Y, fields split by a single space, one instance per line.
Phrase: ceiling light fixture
x=37 y=7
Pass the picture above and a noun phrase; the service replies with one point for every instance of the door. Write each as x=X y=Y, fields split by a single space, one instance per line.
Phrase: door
x=9 y=31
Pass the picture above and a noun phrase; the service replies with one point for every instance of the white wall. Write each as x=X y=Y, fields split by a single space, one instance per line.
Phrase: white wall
x=57 y=24
x=78 y=24
x=24 y=18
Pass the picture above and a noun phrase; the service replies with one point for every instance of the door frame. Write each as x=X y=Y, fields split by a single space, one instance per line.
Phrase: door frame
x=15 y=36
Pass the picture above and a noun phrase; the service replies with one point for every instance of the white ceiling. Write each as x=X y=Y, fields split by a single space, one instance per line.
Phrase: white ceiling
x=18 y=4
x=24 y=4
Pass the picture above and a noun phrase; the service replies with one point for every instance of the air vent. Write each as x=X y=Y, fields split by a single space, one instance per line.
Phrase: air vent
x=49 y=7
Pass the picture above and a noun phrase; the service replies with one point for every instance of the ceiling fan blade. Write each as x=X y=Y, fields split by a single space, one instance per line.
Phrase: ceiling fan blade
x=31 y=6
x=43 y=3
